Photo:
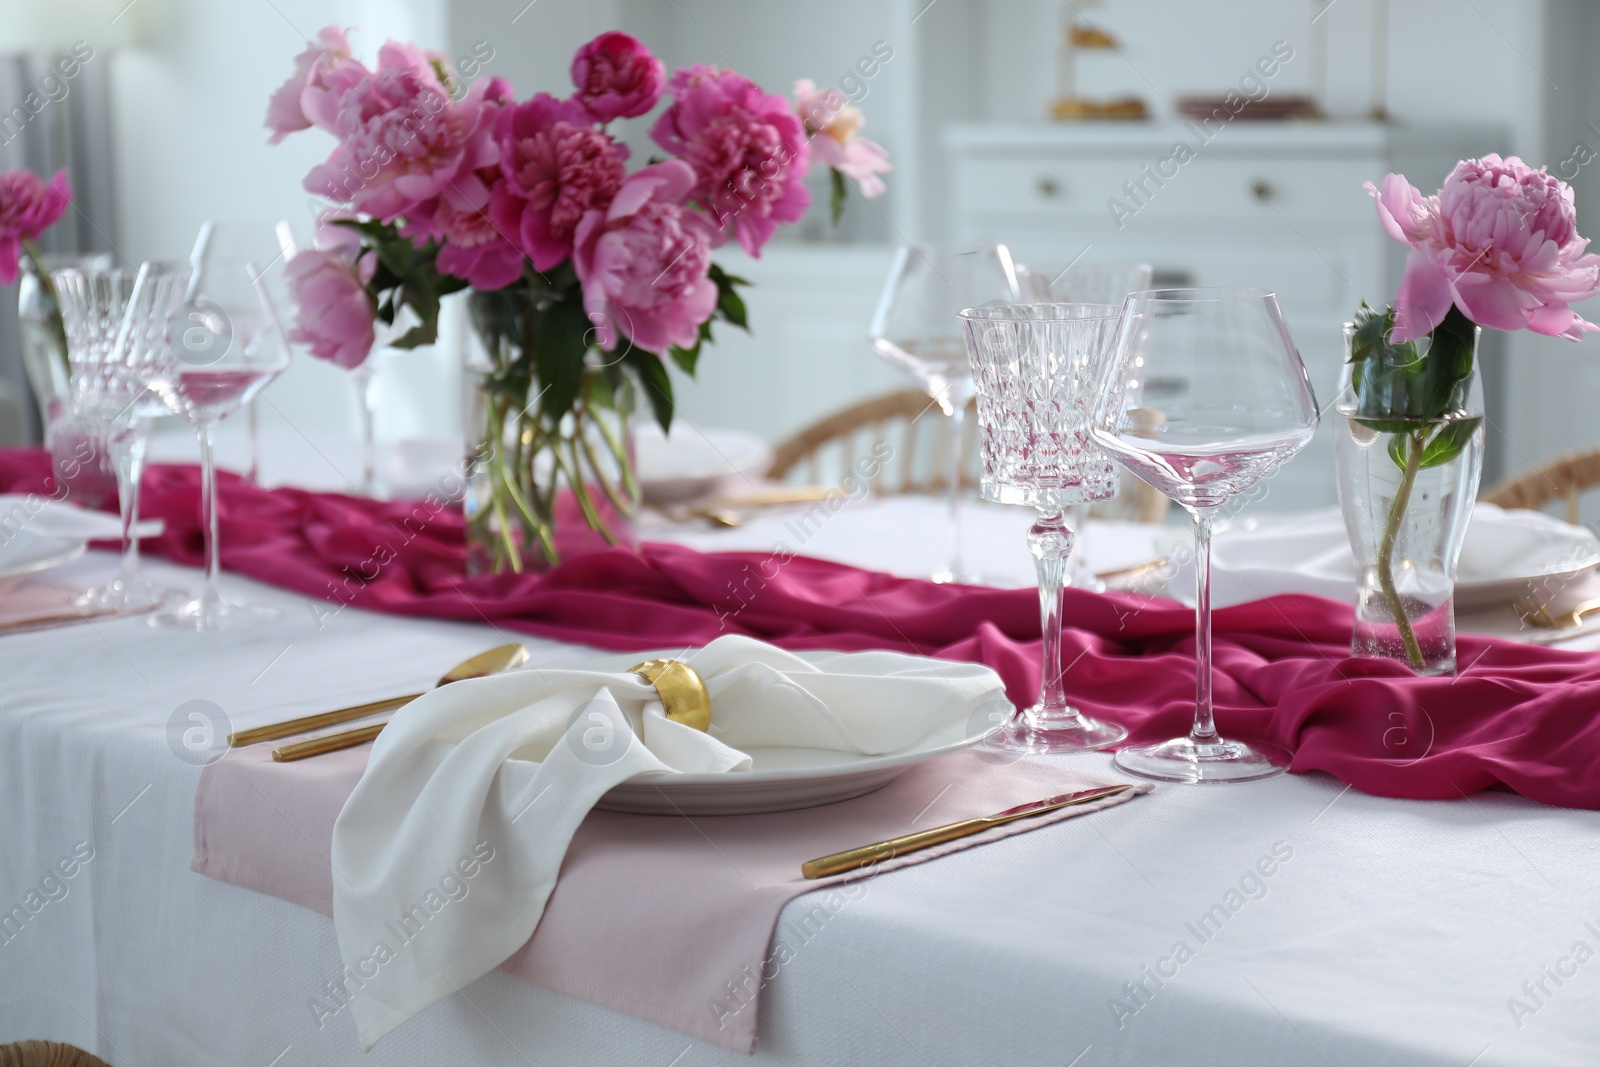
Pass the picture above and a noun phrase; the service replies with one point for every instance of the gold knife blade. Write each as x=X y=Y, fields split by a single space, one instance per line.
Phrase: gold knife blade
x=878 y=851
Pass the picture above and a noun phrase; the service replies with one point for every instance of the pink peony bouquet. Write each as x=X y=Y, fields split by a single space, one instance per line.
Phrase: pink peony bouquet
x=29 y=205
x=446 y=185
x=588 y=270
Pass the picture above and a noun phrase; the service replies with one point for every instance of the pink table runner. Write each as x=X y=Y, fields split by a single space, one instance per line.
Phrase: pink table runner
x=1517 y=716
x=666 y=919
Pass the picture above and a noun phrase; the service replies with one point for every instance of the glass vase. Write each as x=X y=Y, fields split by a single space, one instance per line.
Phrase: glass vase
x=1406 y=488
x=542 y=490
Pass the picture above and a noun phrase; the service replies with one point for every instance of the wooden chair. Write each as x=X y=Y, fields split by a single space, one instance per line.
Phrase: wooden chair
x=899 y=443
x=46 y=1054
x=1562 y=479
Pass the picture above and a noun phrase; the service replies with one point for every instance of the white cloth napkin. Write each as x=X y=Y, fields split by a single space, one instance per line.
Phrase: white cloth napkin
x=1310 y=553
x=473 y=791
x=68 y=522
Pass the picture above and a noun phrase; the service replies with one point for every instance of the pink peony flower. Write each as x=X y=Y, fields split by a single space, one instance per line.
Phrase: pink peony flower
x=557 y=167
x=617 y=77
x=475 y=248
x=835 y=126
x=336 y=310
x=325 y=64
x=643 y=262
x=1499 y=241
x=405 y=143
x=748 y=151
x=28 y=207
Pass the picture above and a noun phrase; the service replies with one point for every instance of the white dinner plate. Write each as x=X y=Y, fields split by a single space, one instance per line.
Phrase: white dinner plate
x=1505 y=554
x=24 y=553
x=782 y=779
x=691 y=463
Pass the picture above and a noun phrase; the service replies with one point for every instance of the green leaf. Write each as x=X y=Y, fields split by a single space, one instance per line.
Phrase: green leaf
x=1398 y=445
x=1449 y=442
x=424 y=333
x=686 y=358
x=837 y=198
x=656 y=383
x=558 y=351
x=730 y=305
x=1396 y=426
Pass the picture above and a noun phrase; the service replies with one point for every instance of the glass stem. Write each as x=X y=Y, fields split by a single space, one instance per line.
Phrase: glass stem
x=130 y=472
x=1050 y=541
x=253 y=413
x=1205 y=726
x=958 y=420
x=369 y=448
x=208 y=513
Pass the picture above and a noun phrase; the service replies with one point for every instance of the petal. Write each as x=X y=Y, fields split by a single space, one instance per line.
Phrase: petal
x=1401 y=209
x=1423 y=299
x=1491 y=302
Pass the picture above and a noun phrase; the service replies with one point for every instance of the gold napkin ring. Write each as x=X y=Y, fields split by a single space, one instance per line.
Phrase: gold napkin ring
x=682 y=691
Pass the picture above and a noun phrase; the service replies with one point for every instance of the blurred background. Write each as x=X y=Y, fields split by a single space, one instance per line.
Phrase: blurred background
x=161 y=126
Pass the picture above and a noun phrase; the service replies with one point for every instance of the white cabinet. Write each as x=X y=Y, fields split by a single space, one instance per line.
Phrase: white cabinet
x=1278 y=206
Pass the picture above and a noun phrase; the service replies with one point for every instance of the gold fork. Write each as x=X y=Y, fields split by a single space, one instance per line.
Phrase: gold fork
x=1534 y=613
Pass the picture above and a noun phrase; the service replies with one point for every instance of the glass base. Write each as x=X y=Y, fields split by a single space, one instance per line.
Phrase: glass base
x=1082 y=735
x=124 y=597
x=1182 y=760
x=202 y=614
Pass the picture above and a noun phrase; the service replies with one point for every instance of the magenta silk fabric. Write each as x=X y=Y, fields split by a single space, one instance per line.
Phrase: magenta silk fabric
x=1518 y=716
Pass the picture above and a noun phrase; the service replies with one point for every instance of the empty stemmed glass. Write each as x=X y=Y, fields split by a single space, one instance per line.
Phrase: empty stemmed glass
x=115 y=320
x=1203 y=395
x=1034 y=367
x=217 y=361
x=1082 y=283
x=915 y=328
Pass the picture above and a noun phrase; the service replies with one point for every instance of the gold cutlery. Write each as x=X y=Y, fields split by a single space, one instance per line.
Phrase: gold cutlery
x=493 y=661
x=850 y=859
x=1534 y=613
x=36 y=623
x=729 y=511
x=1138 y=570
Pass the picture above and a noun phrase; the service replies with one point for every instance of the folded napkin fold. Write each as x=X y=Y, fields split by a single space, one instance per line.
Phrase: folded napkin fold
x=56 y=518
x=509 y=766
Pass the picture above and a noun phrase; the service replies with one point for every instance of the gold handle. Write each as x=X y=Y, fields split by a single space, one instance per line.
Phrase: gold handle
x=290 y=727
x=850 y=859
x=331 y=743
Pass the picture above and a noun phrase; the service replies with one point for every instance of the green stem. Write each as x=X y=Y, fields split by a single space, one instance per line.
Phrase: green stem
x=580 y=491
x=630 y=486
x=623 y=499
x=497 y=466
x=36 y=260
x=1391 y=534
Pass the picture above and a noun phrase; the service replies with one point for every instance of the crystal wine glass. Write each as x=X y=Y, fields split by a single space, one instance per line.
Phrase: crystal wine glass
x=224 y=243
x=113 y=319
x=915 y=328
x=1082 y=283
x=1034 y=368
x=217 y=361
x=1203 y=396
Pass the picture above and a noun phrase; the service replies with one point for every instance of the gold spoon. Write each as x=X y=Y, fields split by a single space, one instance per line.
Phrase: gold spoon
x=493 y=661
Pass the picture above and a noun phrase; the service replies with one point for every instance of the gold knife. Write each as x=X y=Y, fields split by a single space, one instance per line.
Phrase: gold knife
x=850 y=859
x=328 y=743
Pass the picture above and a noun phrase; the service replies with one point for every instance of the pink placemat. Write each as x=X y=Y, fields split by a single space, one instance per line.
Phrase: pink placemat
x=665 y=918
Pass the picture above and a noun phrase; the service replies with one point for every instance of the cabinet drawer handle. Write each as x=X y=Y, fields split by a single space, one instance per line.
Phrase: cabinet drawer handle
x=1049 y=188
x=1263 y=190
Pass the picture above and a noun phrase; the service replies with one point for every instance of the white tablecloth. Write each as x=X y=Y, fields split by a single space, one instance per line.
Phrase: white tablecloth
x=1387 y=932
